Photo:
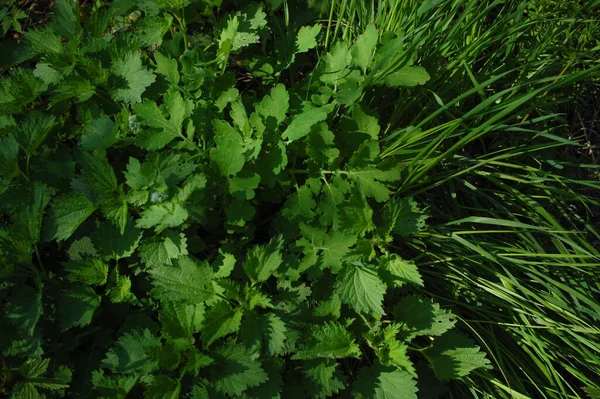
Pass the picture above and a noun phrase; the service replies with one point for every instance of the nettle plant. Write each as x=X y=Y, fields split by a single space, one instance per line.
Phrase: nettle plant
x=166 y=234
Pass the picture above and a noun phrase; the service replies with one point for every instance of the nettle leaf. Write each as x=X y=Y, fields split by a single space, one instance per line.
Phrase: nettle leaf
x=355 y=216
x=361 y=288
x=265 y=333
x=396 y=272
x=331 y=340
x=379 y=382
x=112 y=387
x=76 y=307
x=66 y=215
x=235 y=369
x=133 y=353
x=421 y=316
x=180 y=320
x=326 y=379
x=134 y=78
x=33 y=130
x=220 y=320
x=114 y=244
x=187 y=281
x=263 y=261
x=150 y=30
x=159 y=251
x=24 y=308
x=454 y=356
x=92 y=271
x=327 y=248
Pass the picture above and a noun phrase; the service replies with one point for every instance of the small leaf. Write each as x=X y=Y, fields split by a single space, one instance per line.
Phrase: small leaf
x=263 y=261
x=306 y=39
x=66 y=215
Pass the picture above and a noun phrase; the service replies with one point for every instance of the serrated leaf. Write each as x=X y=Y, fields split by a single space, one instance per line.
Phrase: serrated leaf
x=162 y=216
x=133 y=353
x=76 y=307
x=264 y=333
x=91 y=271
x=235 y=369
x=396 y=272
x=112 y=387
x=336 y=63
x=360 y=288
x=454 y=356
x=33 y=368
x=66 y=215
x=24 y=308
x=136 y=78
x=150 y=30
x=167 y=67
x=180 y=320
x=326 y=379
x=163 y=387
x=33 y=130
x=220 y=320
x=370 y=180
x=188 y=281
x=422 y=317
x=115 y=245
x=166 y=129
x=331 y=341
x=263 y=261
x=355 y=216
x=380 y=382
x=98 y=134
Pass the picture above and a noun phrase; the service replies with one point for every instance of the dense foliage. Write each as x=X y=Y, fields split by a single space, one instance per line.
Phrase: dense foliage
x=243 y=199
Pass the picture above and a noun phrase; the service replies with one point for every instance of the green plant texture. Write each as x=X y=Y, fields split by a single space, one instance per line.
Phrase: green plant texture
x=280 y=199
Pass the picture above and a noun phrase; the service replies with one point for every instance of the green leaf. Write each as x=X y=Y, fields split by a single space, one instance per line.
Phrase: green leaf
x=326 y=379
x=263 y=261
x=162 y=216
x=336 y=64
x=370 y=180
x=66 y=215
x=220 y=320
x=380 y=382
x=162 y=251
x=275 y=104
x=188 y=281
x=150 y=31
x=228 y=154
x=355 y=216
x=99 y=134
x=396 y=272
x=235 y=369
x=33 y=130
x=133 y=353
x=116 y=245
x=306 y=38
x=303 y=122
x=392 y=352
x=65 y=21
x=265 y=333
x=76 y=307
x=43 y=41
x=454 y=356
x=422 y=317
x=407 y=76
x=405 y=216
x=166 y=129
x=9 y=156
x=24 y=308
x=34 y=368
x=135 y=78
x=119 y=288
x=180 y=320
x=73 y=87
x=163 y=387
x=91 y=271
x=361 y=288
x=330 y=341
x=364 y=48
x=112 y=387
x=167 y=67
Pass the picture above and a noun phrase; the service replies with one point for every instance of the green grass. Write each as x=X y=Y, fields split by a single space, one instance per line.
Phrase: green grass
x=511 y=185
